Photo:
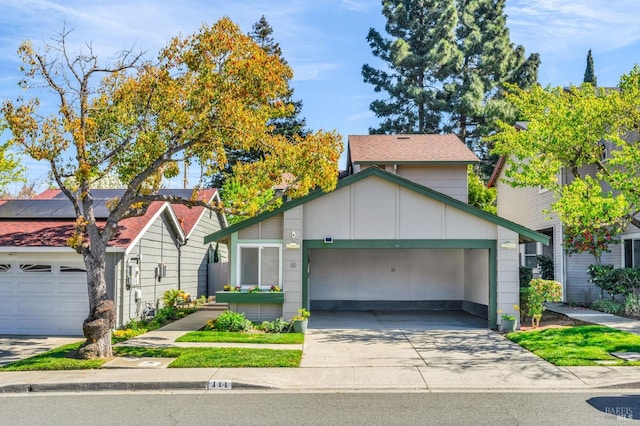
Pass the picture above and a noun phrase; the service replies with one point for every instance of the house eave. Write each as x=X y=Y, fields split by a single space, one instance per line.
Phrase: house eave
x=521 y=230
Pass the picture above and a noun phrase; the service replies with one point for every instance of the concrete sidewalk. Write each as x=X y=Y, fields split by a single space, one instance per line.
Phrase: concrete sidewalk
x=376 y=353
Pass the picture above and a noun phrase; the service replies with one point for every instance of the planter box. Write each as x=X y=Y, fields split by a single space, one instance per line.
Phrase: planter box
x=249 y=298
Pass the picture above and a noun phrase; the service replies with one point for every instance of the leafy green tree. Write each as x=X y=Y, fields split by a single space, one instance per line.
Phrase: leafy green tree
x=417 y=57
x=473 y=84
x=207 y=92
x=289 y=124
x=10 y=168
x=479 y=195
x=580 y=143
x=589 y=72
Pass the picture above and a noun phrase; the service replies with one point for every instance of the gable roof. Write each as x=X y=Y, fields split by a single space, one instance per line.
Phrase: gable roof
x=38 y=224
x=525 y=232
x=410 y=148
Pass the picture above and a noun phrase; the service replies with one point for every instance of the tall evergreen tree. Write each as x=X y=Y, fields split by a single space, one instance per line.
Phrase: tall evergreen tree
x=589 y=72
x=423 y=45
x=286 y=125
x=473 y=85
x=447 y=64
x=489 y=59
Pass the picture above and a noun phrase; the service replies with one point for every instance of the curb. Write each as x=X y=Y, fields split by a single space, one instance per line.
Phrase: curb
x=122 y=386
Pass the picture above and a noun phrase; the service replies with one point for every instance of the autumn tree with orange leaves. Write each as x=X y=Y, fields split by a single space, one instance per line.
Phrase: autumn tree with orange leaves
x=139 y=120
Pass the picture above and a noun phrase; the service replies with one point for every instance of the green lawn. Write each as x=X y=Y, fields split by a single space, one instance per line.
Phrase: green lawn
x=55 y=359
x=60 y=358
x=233 y=337
x=576 y=346
x=219 y=357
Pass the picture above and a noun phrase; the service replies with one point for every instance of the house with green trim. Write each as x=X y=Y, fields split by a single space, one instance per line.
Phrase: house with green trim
x=396 y=234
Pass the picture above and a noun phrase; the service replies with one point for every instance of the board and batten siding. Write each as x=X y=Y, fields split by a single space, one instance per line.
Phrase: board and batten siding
x=194 y=256
x=450 y=179
x=378 y=209
x=269 y=229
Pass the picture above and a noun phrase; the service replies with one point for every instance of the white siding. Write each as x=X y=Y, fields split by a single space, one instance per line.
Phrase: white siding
x=508 y=271
x=292 y=268
x=476 y=276
x=450 y=179
x=387 y=274
x=377 y=209
x=269 y=229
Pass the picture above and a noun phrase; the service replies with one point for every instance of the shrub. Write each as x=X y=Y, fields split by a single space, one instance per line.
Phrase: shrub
x=535 y=296
x=632 y=305
x=526 y=275
x=545 y=263
x=172 y=297
x=609 y=306
x=232 y=321
x=614 y=281
x=126 y=334
x=276 y=326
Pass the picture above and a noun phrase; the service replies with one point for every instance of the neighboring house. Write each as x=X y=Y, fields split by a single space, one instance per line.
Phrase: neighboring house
x=527 y=206
x=381 y=240
x=43 y=287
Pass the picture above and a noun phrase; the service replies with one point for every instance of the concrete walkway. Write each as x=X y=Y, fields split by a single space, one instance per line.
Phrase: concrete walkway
x=596 y=317
x=374 y=351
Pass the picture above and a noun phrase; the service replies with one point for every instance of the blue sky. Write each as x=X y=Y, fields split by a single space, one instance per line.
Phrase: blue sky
x=323 y=41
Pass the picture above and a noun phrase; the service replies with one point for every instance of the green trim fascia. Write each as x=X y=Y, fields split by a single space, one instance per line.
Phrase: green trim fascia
x=401 y=244
x=490 y=245
x=405 y=183
x=254 y=241
x=249 y=298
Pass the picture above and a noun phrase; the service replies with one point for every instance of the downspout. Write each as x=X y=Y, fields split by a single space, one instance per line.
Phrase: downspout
x=180 y=245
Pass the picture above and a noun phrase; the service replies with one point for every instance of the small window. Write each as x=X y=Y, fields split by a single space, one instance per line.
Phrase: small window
x=35 y=268
x=5 y=267
x=71 y=269
x=530 y=254
x=631 y=253
x=260 y=265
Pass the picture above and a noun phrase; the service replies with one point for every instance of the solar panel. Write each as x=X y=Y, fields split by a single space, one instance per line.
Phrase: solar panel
x=51 y=209
x=59 y=207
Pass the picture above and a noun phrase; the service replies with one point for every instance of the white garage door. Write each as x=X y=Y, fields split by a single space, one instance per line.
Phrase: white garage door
x=42 y=298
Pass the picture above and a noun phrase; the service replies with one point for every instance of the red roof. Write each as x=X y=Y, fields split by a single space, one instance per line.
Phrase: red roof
x=56 y=232
x=188 y=217
x=47 y=194
x=409 y=148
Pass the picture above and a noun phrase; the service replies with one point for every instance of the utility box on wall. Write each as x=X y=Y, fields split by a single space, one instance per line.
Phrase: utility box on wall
x=161 y=270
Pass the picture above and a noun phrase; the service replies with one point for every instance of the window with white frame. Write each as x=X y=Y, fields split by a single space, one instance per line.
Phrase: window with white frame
x=529 y=252
x=259 y=265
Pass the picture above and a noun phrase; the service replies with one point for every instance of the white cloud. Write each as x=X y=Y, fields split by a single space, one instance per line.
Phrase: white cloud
x=559 y=27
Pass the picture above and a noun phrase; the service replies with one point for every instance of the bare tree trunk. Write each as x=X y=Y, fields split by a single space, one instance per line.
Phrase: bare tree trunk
x=102 y=317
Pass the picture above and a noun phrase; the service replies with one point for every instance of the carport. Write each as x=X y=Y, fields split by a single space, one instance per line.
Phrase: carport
x=454 y=275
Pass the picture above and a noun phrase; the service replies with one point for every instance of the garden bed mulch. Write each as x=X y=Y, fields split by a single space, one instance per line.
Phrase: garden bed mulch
x=552 y=320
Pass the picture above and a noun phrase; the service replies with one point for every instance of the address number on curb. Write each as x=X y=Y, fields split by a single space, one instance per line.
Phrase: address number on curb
x=218 y=384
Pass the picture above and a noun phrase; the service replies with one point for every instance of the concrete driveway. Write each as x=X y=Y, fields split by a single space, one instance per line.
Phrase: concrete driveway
x=411 y=339
x=14 y=348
